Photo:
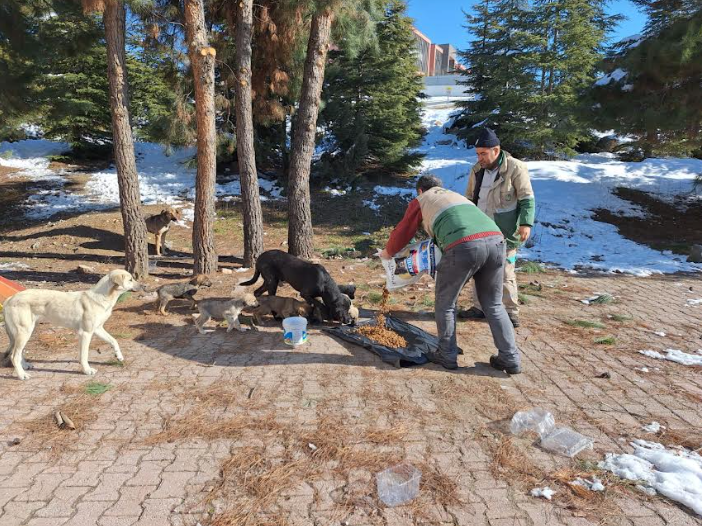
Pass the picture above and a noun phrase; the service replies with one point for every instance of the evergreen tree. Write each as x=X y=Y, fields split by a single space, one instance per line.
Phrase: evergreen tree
x=572 y=36
x=529 y=68
x=500 y=73
x=372 y=101
x=653 y=90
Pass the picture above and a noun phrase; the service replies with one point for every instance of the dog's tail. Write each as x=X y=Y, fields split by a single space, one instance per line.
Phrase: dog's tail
x=251 y=281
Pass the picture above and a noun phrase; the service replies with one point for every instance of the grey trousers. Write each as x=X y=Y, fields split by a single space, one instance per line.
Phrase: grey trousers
x=483 y=260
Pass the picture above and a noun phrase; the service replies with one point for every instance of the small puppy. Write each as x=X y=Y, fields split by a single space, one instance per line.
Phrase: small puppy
x=349 y=290
x=321 y=313
x=280 y=307
x=224 y=309
x=185 y=290
x=160 y=223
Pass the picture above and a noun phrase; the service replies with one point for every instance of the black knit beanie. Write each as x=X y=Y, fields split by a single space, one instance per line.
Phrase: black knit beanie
x=487 y=139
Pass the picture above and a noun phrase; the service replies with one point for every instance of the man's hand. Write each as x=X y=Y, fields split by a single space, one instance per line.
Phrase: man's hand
x=524 y=233
x=383 y=254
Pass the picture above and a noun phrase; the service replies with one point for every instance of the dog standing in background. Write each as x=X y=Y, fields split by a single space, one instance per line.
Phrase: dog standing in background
x=159 y=224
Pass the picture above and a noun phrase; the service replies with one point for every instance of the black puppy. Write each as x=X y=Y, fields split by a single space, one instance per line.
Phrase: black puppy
x=310 y=280
x=349 y=290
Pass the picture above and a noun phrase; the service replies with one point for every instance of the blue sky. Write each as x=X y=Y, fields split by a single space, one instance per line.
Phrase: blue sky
x=442 y=20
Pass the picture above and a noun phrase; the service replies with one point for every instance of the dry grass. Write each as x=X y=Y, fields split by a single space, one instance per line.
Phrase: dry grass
x=510 y=462
x=687 y=438
x=199 y=424
x=254 y=481
x=44 y=432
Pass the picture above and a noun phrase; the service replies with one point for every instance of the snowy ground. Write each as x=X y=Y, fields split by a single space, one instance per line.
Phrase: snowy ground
x=673 y=472
x=566 y=193
x=163 y=179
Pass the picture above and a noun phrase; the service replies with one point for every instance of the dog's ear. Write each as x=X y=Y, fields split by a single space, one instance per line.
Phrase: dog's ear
x=120 y=279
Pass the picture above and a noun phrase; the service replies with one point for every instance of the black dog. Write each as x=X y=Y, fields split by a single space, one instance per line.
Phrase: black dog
x=310 y=280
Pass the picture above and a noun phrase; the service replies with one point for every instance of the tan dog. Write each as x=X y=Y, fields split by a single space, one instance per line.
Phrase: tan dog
x=280 y=307
x=159 y=225
x=83 y=311
x=225 y=309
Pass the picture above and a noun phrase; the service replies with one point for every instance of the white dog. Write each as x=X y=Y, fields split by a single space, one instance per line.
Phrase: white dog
x=84 y=311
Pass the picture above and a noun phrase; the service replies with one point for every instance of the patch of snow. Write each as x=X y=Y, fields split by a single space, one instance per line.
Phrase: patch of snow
x=615 y=76
x=163 y=179
x=673 y=472
x=676 y=356
x=653 y=427
x=188 y=216
x=13 y=265
x=593 y=485
x=335 y=191
x=545 y=492
x=692 y=303
x=242 y=269
x=372 y=205
x=660 y=333
x=643 y=369
x=394 y=190
x=631 y=41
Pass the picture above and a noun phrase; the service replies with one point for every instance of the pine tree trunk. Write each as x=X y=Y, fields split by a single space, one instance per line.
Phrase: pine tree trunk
x=300 y=235
x=250 y=199
x=135 y=235
x=202 y=60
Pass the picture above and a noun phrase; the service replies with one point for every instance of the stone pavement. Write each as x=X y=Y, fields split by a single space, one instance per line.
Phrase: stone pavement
x=327 y=416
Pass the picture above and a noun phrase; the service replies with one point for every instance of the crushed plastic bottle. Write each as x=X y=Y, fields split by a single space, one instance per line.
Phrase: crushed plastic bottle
x=398 y=484
x=565 y=441
x=537 y=419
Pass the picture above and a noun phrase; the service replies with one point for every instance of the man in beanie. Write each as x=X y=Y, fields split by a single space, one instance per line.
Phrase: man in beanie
x=472 y=247
x=499 y=184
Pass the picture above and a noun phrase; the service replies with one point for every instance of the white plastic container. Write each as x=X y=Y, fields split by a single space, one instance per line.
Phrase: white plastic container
x=398 y=484
x=295 y=330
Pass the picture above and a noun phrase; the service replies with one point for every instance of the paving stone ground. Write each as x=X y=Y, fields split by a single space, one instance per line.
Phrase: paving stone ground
x=249 y=400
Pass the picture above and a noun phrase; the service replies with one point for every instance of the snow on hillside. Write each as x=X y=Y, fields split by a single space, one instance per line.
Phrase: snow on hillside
x=163 y=179
x=566 y=193
x=565 y=236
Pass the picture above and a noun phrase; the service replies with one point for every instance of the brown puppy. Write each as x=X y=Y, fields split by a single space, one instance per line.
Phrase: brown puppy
x=160 y=223
x=280 y=307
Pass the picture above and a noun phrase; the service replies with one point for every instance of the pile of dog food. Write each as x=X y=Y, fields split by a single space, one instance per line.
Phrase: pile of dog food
x=378 y=332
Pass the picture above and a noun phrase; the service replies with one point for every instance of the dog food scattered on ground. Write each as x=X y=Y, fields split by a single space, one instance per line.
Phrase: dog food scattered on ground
x=377 y=330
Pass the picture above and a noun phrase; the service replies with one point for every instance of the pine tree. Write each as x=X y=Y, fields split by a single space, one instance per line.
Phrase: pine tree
x=202 y=59
x=572 y=34
x=372 y=101
x=652 y=90
x=500 y=72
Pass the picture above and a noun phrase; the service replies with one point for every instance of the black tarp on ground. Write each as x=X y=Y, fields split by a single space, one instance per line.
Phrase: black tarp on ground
x=419 y=342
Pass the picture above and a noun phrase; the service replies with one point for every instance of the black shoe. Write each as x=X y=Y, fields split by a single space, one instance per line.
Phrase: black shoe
x=443 y=361
x=495 y=363
x=474 y=313
x=514 y=318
